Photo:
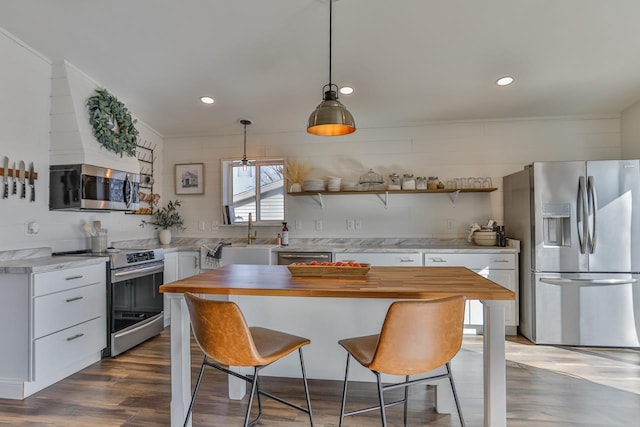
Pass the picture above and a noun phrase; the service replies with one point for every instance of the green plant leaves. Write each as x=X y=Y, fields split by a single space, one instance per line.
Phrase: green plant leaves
x=106 y=112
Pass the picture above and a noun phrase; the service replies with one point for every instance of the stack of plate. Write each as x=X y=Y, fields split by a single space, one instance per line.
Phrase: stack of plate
x=350 y=186
x=313 y=185
x=333 y=183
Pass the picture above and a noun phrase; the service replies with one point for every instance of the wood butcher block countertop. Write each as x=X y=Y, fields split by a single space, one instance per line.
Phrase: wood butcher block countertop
x=380 y=282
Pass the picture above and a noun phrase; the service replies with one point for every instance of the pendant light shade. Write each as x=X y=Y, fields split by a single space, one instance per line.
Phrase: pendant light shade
x=331 y=118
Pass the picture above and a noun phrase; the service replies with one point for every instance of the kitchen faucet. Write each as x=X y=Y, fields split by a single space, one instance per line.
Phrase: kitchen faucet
x=251 y=236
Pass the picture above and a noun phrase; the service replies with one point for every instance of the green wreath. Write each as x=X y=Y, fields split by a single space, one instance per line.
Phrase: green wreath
x=112 y=124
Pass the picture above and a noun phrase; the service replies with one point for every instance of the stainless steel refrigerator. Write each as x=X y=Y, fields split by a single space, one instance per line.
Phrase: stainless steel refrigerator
x=579 y=227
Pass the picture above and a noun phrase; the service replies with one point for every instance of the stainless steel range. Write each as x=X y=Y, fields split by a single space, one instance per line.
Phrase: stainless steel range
x=135 y=308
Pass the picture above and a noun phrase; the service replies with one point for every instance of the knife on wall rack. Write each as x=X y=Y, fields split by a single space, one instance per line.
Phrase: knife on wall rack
x=6 y=178
x=23 y=192
x=14 y=176
x=32 y=183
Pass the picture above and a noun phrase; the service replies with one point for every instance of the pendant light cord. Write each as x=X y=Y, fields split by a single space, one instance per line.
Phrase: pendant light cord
x=245 y=140
x=330 y=33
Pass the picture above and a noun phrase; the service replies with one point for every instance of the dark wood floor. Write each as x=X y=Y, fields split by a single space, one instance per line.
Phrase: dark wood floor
x=546 y=386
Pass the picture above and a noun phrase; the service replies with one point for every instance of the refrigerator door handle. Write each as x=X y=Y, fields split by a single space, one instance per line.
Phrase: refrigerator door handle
x=553 y=281
x=593 y=204
x=581 y=215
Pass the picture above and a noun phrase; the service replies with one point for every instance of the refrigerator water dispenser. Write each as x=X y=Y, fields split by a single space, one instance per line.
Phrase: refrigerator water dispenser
x=556 y=223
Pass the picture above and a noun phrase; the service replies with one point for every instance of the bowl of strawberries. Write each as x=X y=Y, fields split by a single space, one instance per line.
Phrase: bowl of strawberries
x=329 y=269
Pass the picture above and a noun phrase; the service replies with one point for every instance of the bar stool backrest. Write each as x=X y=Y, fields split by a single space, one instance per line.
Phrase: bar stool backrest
x=221 y=331
x=419 y=336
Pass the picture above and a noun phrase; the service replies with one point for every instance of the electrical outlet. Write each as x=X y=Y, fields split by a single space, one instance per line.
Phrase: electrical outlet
x=450 y=224
x=350 y=224
x=32 y=228
x=318 y=225
x=358 y=224
x=298 y=224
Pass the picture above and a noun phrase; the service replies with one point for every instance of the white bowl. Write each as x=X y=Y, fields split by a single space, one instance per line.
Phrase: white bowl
x=485 y=238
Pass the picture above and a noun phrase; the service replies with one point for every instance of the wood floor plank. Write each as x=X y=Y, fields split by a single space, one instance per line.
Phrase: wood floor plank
x=546 y=386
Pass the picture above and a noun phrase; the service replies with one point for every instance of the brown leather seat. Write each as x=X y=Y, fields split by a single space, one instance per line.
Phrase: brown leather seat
x=416 y=337
x=222 y=333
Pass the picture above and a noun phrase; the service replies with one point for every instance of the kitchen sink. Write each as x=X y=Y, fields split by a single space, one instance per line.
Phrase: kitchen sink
x=243 y=253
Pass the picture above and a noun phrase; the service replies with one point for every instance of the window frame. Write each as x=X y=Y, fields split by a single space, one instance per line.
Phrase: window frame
x=227 y=167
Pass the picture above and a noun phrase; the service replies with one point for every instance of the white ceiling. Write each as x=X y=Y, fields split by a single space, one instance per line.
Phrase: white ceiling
x=410 y=61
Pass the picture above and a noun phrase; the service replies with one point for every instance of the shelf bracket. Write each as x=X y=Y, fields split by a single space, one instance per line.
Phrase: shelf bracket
x=454 y=196
x=320 y=200
x=384 y=200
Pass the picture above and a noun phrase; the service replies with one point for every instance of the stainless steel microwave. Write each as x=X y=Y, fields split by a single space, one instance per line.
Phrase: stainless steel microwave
x=80 y=187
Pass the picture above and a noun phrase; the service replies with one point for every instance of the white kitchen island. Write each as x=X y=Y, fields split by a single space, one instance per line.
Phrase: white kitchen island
x=328 y=309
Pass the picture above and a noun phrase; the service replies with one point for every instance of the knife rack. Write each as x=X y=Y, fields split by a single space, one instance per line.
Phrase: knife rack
x=13 y=173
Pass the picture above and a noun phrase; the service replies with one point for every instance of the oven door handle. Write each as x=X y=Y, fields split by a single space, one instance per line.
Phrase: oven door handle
x=152 y=269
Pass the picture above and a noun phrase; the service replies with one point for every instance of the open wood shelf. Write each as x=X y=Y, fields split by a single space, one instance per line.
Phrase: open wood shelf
x=383 y=195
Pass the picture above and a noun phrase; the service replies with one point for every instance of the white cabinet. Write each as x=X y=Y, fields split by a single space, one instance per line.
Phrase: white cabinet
x=383 y=259
x=170 y=273
x=59 y=326
x=501 y=268
x=188 y=264
x=178 y=265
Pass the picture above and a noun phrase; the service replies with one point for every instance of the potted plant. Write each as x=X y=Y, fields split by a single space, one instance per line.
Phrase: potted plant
x=166 y=218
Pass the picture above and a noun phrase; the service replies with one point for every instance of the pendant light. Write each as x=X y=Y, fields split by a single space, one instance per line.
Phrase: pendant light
x=245 y=162
x=330 y=117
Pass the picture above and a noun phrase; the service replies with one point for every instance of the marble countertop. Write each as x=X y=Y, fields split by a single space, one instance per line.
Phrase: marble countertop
x=38 y=260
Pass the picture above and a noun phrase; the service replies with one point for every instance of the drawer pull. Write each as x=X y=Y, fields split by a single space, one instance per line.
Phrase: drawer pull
x=74 y=277
x=76 y=336
x=74 y=299
x=437 y=260
x=407 y=260
x=500 y=260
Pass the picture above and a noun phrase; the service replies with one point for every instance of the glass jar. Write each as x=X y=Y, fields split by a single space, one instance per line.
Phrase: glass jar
x=421 y=183
x=432 y=183
x=408 y=182
x=395 y=183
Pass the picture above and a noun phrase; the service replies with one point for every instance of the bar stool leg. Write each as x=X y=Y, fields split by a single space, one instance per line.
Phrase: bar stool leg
x=455 y=394
x=406 y=399
x=254 y=385
x=381 y=399
x=195 y=391
x=306 y=387
x=344 y=391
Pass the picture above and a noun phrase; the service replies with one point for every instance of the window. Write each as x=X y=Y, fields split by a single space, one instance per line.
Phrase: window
x=259 y=190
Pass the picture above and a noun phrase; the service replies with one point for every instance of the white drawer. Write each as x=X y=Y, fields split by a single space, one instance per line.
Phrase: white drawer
x=412 y=259
x=472 y=261
x=60 y=280
x=58 y=311
x=64 y=349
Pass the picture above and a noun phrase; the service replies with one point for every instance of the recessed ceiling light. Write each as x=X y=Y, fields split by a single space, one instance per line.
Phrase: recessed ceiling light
x=504 y=81
x=346 y=90
x=207 y=100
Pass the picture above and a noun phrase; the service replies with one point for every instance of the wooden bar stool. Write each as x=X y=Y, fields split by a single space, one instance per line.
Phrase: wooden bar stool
x=222 y=333
x=416 y=337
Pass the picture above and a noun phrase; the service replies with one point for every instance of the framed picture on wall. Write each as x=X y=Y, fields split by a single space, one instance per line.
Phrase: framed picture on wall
x=190 y=178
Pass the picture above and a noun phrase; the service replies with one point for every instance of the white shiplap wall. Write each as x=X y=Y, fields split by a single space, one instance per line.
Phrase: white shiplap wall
x=25 y=85
x=482 y=148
